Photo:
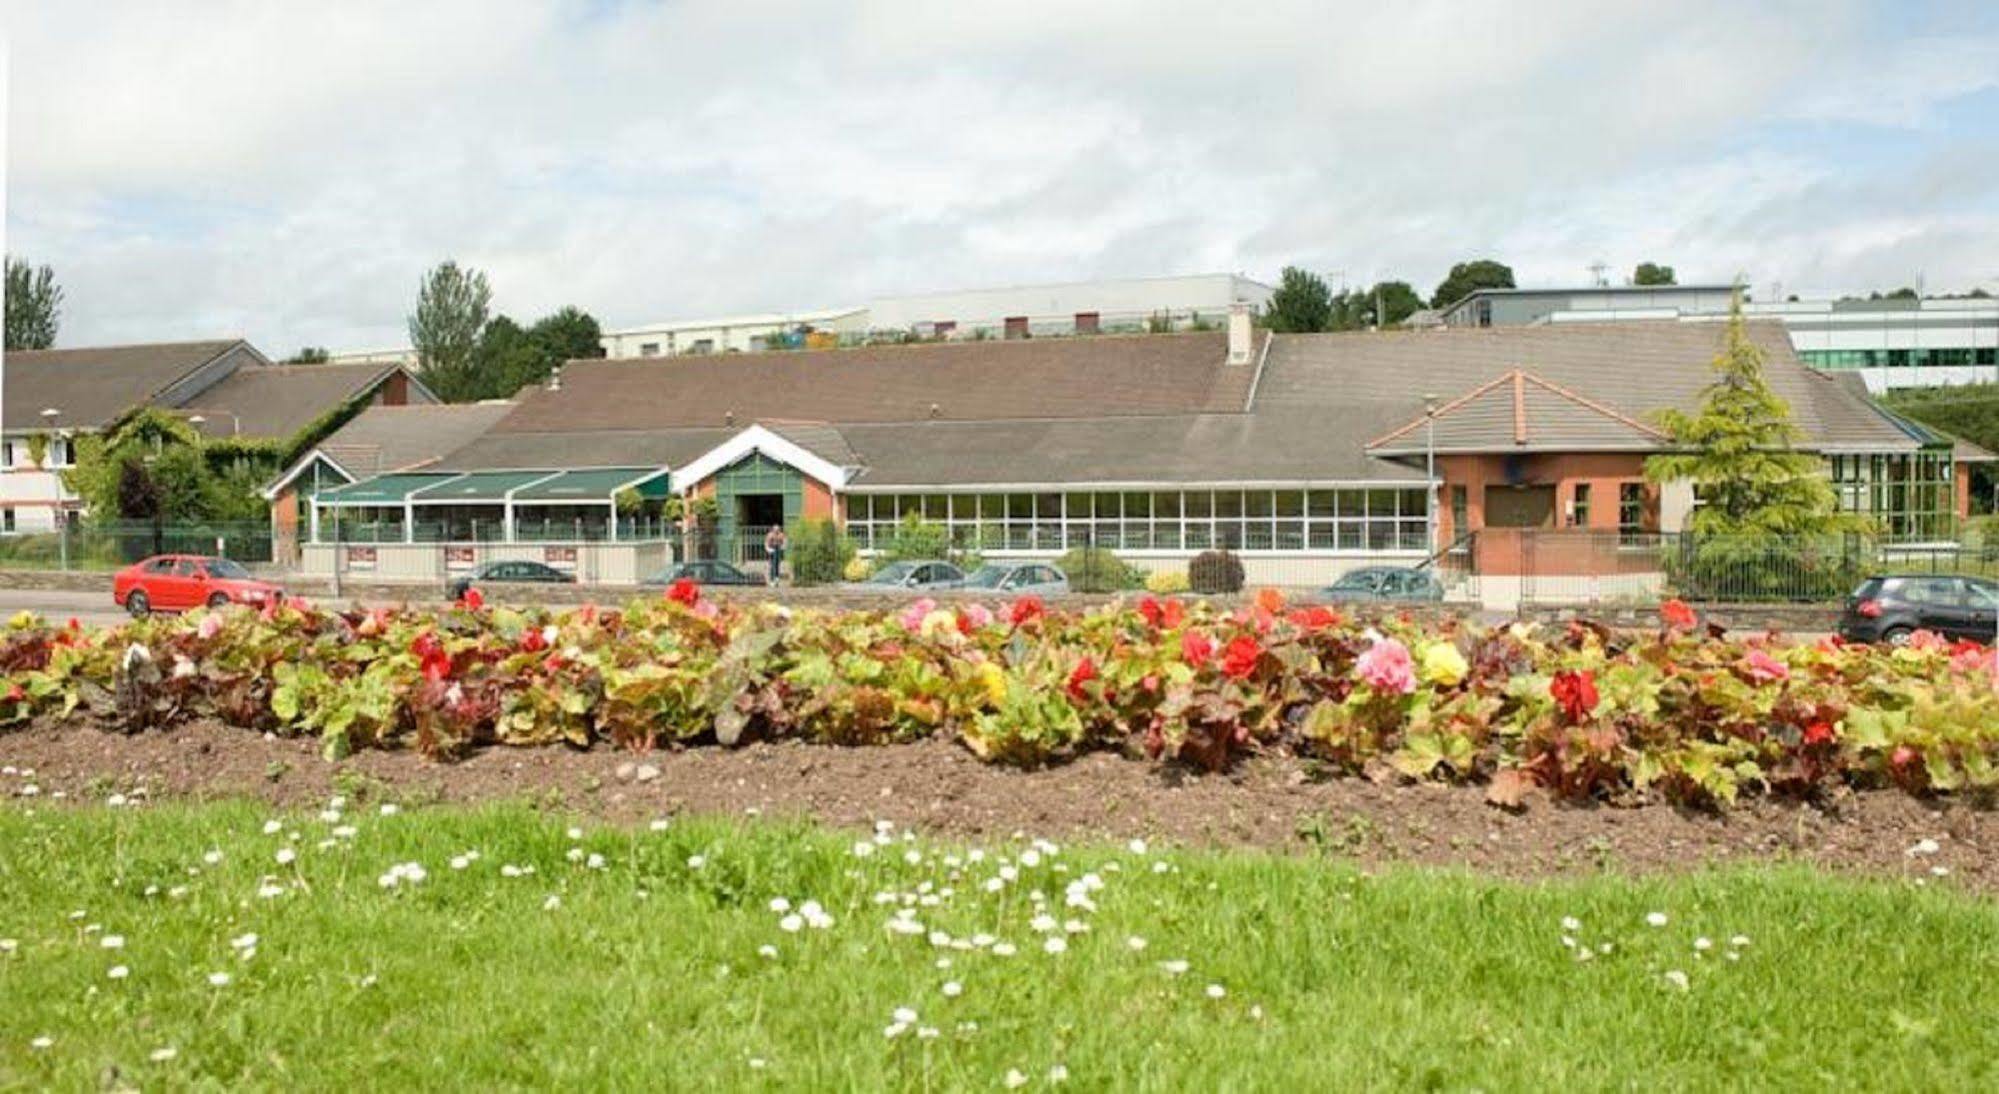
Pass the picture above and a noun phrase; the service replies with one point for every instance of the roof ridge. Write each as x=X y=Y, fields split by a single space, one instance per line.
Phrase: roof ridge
x=1591 y=404
x=1439 y=412
x=13 y=353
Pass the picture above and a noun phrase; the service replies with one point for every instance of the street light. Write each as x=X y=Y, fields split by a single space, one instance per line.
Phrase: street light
x=1430 y=471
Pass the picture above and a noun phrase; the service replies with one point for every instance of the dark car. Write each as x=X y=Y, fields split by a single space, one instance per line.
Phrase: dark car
x=178 y=583
x=705 y=572
x=1385 y=583
x=511 y=572
x=1038 y=578
x=1891 y=607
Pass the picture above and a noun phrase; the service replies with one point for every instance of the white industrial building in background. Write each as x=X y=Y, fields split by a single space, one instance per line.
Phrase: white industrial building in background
x=1890 y=342
x=1022 y=311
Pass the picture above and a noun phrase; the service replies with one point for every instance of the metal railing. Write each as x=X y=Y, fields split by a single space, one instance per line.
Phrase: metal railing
x=110 y=545
x=1575 y=567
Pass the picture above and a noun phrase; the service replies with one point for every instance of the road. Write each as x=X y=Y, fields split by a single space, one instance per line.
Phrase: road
x=91 y=608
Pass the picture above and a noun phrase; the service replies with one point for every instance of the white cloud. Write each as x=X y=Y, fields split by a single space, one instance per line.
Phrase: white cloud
x=287 y=171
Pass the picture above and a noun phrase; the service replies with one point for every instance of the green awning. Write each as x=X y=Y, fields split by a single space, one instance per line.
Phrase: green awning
x=381 y=490
x=586 y=487
x=477 y=488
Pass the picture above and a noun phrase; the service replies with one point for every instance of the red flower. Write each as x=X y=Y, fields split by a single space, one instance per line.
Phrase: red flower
x=1677 y=615
x=1084 y=672
x=1239 y=657
x=15 y=694
x=532 y=641
x=1162 y=614
x=1025 y=609
x=684 y=591
x=74 y=625
x=1269 y=601
x=426 y=645
x=1314 y=618
x=1818 y=732
x=473 y=599
x=1903 y=756
x=1196 y=648
x=1575 y=692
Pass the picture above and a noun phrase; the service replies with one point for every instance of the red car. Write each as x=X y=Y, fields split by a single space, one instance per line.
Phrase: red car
x=178 y=583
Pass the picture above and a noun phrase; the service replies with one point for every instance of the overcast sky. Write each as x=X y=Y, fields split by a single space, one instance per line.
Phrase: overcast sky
x=287 y=171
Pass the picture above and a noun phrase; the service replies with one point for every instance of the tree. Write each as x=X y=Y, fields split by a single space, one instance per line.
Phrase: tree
x=1738 y=453
x=1481 y=273
x=309 y=355
x=450 y=314
x=1302 y=303
x=34 y=305
x=1649 y=273
x=570 y=334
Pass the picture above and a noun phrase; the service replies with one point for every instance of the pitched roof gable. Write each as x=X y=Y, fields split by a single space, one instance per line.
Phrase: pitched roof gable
x=1519 y=411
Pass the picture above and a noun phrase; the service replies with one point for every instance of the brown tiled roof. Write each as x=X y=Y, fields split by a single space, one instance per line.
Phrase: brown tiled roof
x=1634 y=369
x=279 y=400
x=382 y=439
x=1519 y=412
x=93 y=386
x=1084 y=377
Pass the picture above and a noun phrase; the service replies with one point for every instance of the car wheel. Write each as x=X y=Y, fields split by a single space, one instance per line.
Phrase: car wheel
x=137 y=604
x=218 y=601
x=1896 y=636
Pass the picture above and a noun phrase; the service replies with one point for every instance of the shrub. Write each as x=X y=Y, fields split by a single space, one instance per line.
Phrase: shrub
x=916 y=538
x=1096 y=570
x=819 y=553
x=1166 y=581
x=1215 y=572
x=857 y=569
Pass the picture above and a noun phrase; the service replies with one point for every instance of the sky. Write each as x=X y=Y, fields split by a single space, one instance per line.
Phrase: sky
x=286 y=171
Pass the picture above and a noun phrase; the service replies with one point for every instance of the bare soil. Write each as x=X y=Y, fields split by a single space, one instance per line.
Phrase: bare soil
x=1275 y=802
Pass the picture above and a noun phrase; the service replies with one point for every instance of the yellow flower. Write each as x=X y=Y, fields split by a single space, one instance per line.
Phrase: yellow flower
x=1443 y=664
x=994 y=681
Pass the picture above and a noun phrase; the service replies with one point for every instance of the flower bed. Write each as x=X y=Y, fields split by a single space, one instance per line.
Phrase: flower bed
x=1577 y=710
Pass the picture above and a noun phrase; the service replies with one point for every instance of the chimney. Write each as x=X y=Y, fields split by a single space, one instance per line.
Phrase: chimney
x=1239 y=333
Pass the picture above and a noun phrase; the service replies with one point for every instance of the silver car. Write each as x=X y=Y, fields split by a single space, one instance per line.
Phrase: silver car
x=912 y=575
x=1038 y=578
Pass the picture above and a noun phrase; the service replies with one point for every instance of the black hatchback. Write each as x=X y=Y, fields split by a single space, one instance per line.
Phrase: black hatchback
x=1891 y=607
x=518 y=570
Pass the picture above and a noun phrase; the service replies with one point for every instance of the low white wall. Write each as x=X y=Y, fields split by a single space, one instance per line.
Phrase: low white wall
x=592 y=563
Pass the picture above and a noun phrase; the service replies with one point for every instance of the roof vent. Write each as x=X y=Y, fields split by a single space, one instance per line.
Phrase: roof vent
x=729 y=417
x=555 y=378
x=936 y=411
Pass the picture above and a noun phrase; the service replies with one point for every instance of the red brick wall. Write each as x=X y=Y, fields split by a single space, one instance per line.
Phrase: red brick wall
x=815 y=499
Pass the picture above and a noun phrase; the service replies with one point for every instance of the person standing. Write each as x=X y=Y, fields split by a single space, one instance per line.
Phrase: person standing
x=774 y=542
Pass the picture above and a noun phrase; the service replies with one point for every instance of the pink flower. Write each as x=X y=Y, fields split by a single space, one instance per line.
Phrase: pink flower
x=1971 y=657
x=1765 y=669
x=1196 y=648
x=1386 y=667
x=912 y=616
x=1678 y=616
x=974 y=617
x=1927 y=640
x=211 y=625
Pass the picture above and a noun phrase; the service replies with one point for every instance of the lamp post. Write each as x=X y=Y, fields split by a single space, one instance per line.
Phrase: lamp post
x=1430 y=472
x=50 y=416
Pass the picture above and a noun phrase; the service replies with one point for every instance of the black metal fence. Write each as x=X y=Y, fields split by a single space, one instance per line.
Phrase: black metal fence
x=109 y=545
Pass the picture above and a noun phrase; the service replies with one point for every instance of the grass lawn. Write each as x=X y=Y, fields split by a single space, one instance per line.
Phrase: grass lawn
x=642 y=968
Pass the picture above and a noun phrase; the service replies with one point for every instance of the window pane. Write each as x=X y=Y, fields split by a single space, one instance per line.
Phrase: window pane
x=1020 y=506
x=1323 y=503
x=936 y=506
x=908 y=505
x=1290 y=535
x=1047 y=508
x=1381 y=503
x=1412 y=503
x=1079 y=506
x=1166 y=536
x=1256 y=503
x=1107 y=506
x=1199 y=504
x=1228 y=503
x=992 y=506
x=1290 y=503
x=1165 y=505
x=1137 y=506
x=857 y=507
